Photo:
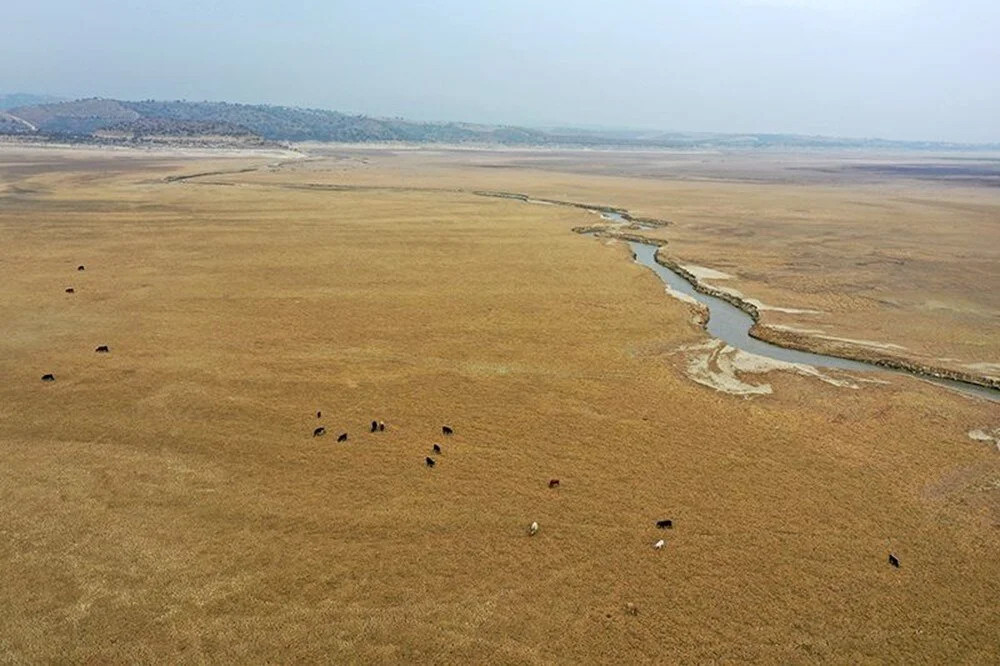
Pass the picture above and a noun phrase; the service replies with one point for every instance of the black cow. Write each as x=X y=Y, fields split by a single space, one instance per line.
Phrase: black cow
x=319 y=431
x=665 y=524
x=446 y=430
x=70 y=290
x=81 y=268
x=319 y=415
x=381 y=426
x=342 y=437
x=374 y=426
x=102 y=349
x=48 y=378
x=893 y=560
x=437 y=449
x=429 y=462
x=553 y=483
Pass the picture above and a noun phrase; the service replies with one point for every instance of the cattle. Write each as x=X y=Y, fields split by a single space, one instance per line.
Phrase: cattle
x=81 y=268
x=665 y=524
x=319 y=432
x=430 y=462
x=374 y=426
x=48 y=378
x=342 y=437
x=102 y=349
x=70 y=290
x=533 y=529
x=553 y=483
x=446 y=430
x=381 y=426
x=319 y=415
x=893 y=560
x=631 y=609
x=658 y=545
x=437 y=448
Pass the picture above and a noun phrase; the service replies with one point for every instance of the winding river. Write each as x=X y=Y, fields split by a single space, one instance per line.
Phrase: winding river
x=732 y=325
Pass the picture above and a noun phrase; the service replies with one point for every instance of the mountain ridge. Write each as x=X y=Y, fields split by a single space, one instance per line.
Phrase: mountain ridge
x=97 y=119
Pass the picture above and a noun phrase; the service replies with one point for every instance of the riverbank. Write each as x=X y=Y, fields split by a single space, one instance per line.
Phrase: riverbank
x=789 y=339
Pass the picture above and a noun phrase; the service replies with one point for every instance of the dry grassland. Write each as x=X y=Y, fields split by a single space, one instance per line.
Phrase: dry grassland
x=886 y=259
x=166 y=502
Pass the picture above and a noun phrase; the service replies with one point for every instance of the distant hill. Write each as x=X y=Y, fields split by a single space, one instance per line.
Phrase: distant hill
x=117 y=121
x=14 y=100
x=80 y=117
x=107 y=118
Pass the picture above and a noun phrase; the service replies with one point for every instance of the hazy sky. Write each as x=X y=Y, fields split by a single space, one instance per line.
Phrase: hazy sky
x=911 y=69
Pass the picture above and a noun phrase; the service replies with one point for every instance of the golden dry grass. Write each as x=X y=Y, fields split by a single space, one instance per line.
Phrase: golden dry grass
x=167 y=503
x=890 y=260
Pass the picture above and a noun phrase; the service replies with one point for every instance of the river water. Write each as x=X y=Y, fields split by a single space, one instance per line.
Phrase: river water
x=732 y=325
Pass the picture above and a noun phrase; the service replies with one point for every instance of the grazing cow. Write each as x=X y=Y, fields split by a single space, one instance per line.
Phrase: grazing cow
x=102 y=349
x=437 y=449
x=70 y=290
x=665 y=524
x=381 y=426
x=533 y=529
x=319 y=415
x=374 y=426
x=318 y=432
x=429 y=461
x=658 y=545
x=446 y=430
x=80 y=268
x=342 y=437
x=48 y=378
x=893 y=560
x=553 y=483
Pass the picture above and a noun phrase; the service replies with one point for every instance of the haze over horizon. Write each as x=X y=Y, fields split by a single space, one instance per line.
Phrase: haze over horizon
x=896 y=69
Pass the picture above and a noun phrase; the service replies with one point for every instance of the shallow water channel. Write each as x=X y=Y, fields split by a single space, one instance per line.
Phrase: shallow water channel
x=732 y=325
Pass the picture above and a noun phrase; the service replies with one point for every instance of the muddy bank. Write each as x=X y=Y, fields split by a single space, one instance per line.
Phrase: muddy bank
x=597 y=208
x=602 y=231
x=806 y=342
